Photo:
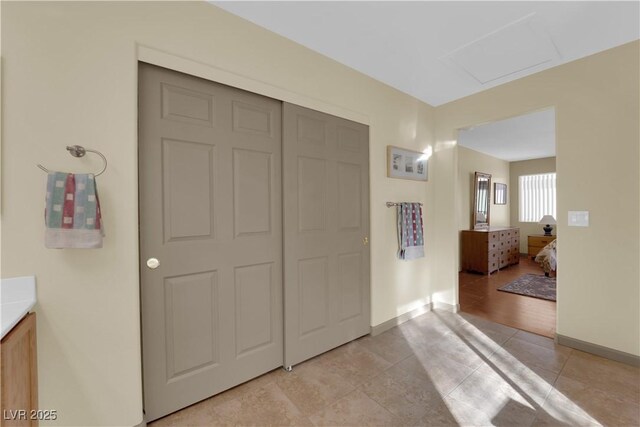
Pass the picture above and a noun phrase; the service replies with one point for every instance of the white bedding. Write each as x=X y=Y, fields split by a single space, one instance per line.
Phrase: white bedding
x=547 y=257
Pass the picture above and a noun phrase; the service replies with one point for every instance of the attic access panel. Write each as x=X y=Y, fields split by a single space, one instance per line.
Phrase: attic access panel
x=516 y=47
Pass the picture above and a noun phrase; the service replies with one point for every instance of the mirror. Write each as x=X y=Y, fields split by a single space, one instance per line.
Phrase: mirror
x=481 y=200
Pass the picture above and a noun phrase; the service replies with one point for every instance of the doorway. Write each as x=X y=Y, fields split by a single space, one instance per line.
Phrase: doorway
x=519 y=154
x=227 y=185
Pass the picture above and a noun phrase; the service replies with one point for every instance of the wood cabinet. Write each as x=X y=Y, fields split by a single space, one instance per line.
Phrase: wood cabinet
x=538 y=241
x=485 y=251
x=19 y=374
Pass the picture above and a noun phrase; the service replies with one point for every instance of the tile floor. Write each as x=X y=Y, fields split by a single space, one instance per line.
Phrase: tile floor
x=438 y=369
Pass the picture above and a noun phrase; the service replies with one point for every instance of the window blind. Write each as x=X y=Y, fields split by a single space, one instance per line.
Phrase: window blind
x=537 y=197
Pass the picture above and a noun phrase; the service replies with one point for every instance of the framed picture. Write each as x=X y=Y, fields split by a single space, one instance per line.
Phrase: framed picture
x=406 y=164
x=499 y=194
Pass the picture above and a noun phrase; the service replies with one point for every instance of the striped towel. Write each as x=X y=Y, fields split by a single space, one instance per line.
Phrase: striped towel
x=410 y=237
x=72 y=212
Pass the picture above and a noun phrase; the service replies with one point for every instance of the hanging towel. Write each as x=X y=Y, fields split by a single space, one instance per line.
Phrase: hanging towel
x=410 y=237
x=72 y=212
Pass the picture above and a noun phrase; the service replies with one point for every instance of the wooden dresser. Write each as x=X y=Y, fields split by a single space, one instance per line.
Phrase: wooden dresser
x=485 y=251
x=536 y=242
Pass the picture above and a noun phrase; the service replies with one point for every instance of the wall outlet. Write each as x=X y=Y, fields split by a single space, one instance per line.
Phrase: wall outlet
x=578 y=218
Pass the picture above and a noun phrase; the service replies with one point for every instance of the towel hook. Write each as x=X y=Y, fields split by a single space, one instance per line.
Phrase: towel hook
x=80 y=151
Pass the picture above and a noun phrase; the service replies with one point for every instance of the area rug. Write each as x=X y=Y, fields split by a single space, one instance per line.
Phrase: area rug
x=533 y=285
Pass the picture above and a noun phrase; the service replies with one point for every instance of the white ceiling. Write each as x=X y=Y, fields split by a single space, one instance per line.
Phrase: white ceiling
x=530 y=136
x=446 y=50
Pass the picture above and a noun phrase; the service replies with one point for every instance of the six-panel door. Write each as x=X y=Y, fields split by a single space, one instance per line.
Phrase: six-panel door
x=211 y=214
x=326 y=215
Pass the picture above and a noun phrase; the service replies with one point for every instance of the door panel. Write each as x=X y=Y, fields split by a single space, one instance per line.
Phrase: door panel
x=188 y=203
x=254 y=288
x=326 y=217
x=350 y=281
x=313 y=285
x=349 y=200
x=187 y=106
x=211 y=213
x=251 y=192
x=312 y=183
x=253 y=119
x=191 y=311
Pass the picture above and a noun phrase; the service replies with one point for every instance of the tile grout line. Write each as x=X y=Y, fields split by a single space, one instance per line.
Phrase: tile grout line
x=563 y=366
x=463 y=380
x=357 y=387
x=551 y=388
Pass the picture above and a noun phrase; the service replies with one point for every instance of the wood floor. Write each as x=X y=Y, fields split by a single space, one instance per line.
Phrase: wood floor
x=479 y=296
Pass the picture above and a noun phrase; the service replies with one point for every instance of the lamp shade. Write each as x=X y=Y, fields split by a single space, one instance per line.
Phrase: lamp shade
x=547 y=219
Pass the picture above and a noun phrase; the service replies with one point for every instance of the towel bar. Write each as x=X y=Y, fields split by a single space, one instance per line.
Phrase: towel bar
x=391 y=204
x=80 y=151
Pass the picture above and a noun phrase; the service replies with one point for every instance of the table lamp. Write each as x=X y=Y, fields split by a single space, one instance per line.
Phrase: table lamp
x=548 y=220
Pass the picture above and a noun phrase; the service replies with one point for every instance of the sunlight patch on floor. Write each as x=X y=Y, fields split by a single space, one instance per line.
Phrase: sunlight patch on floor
x=500 y=389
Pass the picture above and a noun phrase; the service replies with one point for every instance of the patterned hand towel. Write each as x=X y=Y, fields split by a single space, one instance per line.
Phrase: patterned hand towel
x=72 y=212
x=410 y=237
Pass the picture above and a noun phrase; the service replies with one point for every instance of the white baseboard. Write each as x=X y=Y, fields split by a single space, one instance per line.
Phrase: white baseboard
x=385 y=326
x=437 y=305
x=598 y=350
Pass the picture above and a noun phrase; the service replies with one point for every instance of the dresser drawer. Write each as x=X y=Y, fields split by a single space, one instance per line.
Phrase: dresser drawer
x=505 y=260
x=508 y=234
x=493 y=266
x=485 y=251
x=494 y=260
x=540 y=241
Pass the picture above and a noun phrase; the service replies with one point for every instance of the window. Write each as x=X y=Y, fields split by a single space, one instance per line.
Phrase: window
x=537 y=197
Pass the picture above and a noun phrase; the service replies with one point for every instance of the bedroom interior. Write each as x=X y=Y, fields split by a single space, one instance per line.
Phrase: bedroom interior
x=507 y=268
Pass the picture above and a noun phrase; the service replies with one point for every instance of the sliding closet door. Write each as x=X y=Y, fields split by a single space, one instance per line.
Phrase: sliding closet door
x=326 y=229
x=210 y=237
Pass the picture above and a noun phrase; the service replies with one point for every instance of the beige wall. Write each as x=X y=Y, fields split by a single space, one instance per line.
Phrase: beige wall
x=597 y=159
x=517 y=169
x=70 y=76
x=469 y=162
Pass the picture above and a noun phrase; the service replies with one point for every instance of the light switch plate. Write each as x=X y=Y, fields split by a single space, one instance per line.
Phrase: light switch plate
x=578 y=219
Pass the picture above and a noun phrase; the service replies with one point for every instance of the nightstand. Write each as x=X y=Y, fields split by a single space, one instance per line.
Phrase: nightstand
x=538 y=241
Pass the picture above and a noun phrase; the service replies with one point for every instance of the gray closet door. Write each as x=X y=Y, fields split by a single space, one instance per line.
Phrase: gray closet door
x=326 y=217
x=211 y=214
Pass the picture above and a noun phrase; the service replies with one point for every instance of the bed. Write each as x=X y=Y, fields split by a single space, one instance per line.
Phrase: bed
x=547 y=258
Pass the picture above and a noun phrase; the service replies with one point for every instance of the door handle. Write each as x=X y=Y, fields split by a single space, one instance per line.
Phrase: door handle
x=153 y=263
x=365 y=241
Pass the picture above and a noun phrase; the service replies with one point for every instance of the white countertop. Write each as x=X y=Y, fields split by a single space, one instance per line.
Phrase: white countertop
x=17 y=298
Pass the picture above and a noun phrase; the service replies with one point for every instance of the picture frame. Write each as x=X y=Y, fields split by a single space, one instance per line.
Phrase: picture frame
x=499 y=194
x=406 y=164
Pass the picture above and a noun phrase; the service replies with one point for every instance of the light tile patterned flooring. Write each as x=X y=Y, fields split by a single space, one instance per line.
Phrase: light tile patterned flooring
x=439 y=369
